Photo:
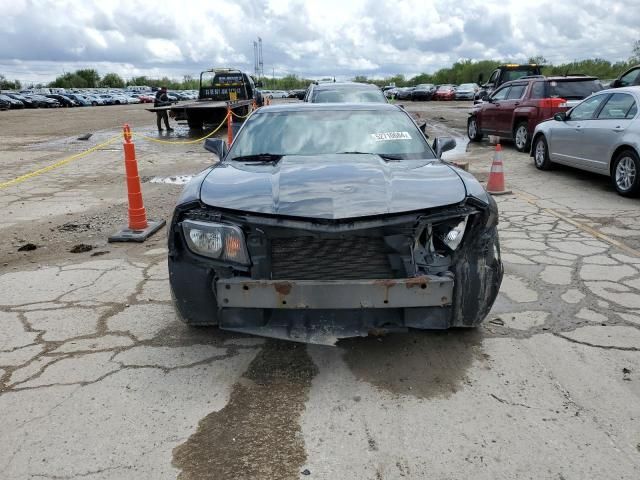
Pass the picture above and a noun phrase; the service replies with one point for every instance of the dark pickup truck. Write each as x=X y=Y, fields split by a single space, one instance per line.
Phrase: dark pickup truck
x=505 y=73
x=220 y=88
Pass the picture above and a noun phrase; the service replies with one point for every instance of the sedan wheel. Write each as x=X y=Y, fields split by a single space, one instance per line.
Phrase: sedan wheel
x=472 y=130
x=522 y=137
x=541 y=154
x=626 y=177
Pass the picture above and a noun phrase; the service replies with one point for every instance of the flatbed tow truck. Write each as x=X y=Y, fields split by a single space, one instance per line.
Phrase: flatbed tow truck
x=220 y=89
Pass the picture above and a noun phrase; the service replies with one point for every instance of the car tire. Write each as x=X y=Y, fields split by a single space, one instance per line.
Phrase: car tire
x=541 y=154
x=95 y=104
x=473 y=132
x=521 y=137
x=625 y=173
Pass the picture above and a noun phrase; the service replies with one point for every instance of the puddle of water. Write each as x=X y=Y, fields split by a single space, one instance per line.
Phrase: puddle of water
x=174 y=180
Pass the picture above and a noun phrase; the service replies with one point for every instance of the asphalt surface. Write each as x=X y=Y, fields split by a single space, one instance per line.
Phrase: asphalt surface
x=99 y=380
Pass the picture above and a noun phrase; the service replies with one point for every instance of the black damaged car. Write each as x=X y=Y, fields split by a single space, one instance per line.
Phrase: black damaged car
x=326 y=221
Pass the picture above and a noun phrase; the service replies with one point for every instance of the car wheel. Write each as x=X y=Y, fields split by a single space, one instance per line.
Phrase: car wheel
x=521 y=137
x=626 y=173
x=473 y=132
x=541 y=154
x=117 y=102
x=95 y=104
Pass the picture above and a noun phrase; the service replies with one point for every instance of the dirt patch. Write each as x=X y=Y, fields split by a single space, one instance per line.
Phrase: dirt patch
x=257 y=434
x=81 y=248
x=422 y=364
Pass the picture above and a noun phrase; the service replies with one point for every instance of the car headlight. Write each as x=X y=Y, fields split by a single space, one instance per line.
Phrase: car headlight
x=216 y=240
x=451 y=234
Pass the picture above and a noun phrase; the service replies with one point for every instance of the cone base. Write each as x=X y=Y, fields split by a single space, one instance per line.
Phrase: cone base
x=499 y=192
x=128 y=235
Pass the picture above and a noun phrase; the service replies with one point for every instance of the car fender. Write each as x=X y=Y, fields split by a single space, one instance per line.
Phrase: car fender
x=524 y=113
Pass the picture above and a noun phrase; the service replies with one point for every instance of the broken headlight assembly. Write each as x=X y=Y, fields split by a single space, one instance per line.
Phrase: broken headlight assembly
x=451 y=233
x=216 y=240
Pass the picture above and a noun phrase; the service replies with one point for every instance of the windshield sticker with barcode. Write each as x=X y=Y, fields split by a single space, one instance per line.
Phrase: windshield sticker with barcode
x=385 y=136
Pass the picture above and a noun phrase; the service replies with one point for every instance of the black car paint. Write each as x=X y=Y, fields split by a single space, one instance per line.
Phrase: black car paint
x=259 y=197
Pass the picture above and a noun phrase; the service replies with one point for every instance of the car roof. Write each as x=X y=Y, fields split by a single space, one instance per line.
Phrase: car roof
x=633 y=89
x=301 y=107
x=334 y=85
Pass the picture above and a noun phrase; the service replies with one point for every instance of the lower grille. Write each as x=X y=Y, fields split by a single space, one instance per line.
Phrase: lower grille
x=311 y=258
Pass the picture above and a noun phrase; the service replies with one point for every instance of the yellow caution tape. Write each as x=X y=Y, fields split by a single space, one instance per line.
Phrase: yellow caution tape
x=60 y=163
x=241 y=116
x=183 y=142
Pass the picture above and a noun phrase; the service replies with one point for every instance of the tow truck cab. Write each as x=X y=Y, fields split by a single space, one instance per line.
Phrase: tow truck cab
x=505 y=73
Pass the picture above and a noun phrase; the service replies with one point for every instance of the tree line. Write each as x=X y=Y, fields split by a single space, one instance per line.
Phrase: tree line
x=464 y=71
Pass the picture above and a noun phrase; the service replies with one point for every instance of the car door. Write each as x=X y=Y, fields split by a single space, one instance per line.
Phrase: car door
x=504 y=114
x=566 y=139
x=489 y=115
x=603 y=134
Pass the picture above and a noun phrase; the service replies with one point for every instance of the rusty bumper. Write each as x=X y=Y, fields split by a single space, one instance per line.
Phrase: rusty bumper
x=335 y=294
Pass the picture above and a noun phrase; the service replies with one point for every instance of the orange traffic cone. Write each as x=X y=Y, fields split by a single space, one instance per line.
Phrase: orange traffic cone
x=139 y=229
x=495 y=185
x=229 y=126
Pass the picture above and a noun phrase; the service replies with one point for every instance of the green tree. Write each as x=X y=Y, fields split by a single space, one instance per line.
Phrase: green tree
x=539 y=59
x=69 y=80
x=635 y=52
x=91 y=77
x=112 y=80
x=9 y=84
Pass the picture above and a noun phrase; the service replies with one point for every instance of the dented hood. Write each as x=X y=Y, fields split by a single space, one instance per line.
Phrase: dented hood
x=332 y=187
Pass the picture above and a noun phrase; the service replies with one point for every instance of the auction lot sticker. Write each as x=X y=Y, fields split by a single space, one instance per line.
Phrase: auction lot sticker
x=383 y=137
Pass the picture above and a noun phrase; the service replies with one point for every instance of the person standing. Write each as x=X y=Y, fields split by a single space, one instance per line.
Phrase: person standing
x=162 y=100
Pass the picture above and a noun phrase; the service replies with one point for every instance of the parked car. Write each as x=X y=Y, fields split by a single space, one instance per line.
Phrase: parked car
x=345 y=92
x=95 y=100
x=279 y=94
x=62 y=100
x=43 y=101
x=466 y=91
x=424 y=91
x=297 y=93
x=80 y=99
x=628 y=78
x=13 y=103
x=27 y=102
x=601 y=135
x=404 y=93
x=445 y=92
x=5 y=104
x=108 y=99
x=145 y=97
x=505 y=73
x=326 y=221
x=515 y=108
x=390 y=92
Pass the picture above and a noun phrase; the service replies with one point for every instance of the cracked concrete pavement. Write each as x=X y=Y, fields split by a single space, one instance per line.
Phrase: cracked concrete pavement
x=99 y=380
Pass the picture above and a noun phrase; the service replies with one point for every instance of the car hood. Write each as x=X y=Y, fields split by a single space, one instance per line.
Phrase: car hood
x=332 y=187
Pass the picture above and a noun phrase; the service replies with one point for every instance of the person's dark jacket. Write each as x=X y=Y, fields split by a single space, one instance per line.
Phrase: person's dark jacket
x=161 y=99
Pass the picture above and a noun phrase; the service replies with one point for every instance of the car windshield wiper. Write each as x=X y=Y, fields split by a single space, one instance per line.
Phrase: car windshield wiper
x=385 y=156
x=259 y=157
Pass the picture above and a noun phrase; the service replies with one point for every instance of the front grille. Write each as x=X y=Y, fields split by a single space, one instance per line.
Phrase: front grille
x=311 y=258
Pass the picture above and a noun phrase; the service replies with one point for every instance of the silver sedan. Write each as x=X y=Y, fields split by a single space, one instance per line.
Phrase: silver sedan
x=601 y=134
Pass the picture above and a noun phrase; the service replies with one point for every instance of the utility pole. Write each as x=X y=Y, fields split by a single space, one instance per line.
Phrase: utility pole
x=256 y=70
x=260 y=60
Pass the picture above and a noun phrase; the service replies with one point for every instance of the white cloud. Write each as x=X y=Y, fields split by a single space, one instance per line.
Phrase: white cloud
x=41 y=38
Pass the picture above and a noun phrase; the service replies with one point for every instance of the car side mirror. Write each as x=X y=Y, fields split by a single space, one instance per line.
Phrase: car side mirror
x=443 y=144
x=480 y=79
x=560 y=117
x=217 y=146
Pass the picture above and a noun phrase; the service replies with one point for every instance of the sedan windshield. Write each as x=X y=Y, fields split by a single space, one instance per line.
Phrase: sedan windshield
x=344 y=95
x=389 y=133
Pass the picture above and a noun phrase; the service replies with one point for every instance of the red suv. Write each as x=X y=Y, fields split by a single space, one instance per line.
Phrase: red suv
x=513 y=110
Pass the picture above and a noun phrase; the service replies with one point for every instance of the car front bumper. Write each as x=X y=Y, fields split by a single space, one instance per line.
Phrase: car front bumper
x=427 y=290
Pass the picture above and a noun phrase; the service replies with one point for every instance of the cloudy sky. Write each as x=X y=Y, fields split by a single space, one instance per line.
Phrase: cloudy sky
x=40 y=39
